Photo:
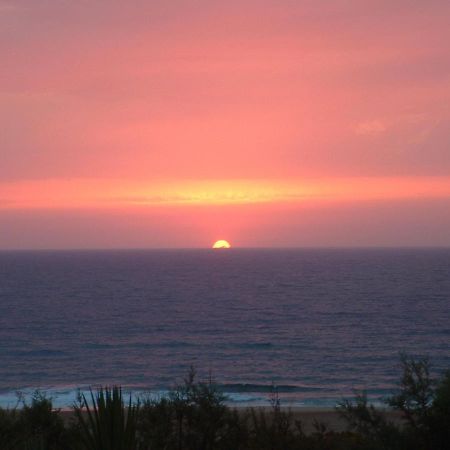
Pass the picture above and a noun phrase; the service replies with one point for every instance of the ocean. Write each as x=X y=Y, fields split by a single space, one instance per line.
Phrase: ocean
x=313 y=325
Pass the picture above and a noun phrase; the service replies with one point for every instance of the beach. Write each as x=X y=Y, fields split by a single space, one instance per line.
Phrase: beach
x=308 y=417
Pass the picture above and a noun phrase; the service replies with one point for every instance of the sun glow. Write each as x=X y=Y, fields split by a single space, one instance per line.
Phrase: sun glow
x=124 y=193
x=221 y=244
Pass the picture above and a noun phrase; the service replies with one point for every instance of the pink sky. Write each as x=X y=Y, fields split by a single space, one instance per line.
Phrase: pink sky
x=267 y=123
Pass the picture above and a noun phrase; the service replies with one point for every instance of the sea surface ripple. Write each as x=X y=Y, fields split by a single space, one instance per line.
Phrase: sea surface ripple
x=315 y=323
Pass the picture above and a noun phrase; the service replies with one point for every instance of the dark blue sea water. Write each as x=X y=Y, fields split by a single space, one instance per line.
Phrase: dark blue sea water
x=315 y=323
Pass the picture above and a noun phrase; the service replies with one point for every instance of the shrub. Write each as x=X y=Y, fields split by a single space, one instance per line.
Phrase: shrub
x=274 y=429
x=107 y=424
x=439 y=418
x=35 y=426
x=192 y=417
x=9 y=431
x=425 y=411
x=375 y=431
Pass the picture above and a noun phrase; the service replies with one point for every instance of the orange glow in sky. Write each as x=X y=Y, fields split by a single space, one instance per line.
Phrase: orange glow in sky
x=107 y=193
x=276 y=123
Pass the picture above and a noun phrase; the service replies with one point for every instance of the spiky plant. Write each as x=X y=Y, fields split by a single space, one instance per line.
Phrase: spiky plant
x=107 y=424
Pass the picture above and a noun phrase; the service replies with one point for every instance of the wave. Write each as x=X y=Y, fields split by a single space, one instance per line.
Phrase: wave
x=265 y=388
x=242 y=394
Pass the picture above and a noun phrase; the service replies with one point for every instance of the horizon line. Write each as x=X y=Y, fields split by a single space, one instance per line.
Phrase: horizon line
x=302 y=247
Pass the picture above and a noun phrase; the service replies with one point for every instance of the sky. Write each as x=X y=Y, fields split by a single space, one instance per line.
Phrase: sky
x=266 y=123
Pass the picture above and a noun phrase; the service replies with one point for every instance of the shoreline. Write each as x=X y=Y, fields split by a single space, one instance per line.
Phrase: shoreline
x=63 y=397
x=308 y=417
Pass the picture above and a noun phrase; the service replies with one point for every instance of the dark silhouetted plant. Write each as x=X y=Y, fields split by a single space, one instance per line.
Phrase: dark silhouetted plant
x=416 y=392
x=370 y=423
x=439 y=419
x=9 y=432
x=424 y=409
x=192 y=417
x=41 y=425
x=34 y=426
x=107 y=423
x=274 y=429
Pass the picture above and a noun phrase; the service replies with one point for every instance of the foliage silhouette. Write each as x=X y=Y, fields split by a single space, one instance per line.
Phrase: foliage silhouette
x=194 y=416
x=34 y=426
x=107 y=424
x=423 y=408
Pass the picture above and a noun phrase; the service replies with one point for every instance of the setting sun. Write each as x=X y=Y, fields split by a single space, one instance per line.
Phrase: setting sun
x=135 y=137
x=221 y=244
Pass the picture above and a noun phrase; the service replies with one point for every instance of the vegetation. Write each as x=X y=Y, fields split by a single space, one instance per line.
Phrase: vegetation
x=194 y=416
x=34 y=426
x=107 y=424
x=423 y=405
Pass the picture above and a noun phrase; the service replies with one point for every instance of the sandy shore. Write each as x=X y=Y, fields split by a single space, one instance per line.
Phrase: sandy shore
x=327 y=416
x=307 y=416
